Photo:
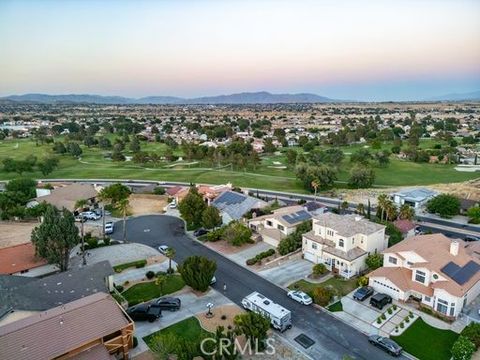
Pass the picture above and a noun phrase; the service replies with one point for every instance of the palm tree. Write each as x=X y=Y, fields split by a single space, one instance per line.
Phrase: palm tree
x=315 y=185
x=382 y=201
x=123 y=206
x=344 y=206
x=80 y=204
x=103 y=199
x=361 y=209
x=406 y=212
x=170 y=254
x=390 y=210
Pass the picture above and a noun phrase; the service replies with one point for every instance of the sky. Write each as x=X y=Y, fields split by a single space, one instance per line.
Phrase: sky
x=372 y=50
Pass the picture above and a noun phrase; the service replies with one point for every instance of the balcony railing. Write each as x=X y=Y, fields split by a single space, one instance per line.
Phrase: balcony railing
x=347 y=273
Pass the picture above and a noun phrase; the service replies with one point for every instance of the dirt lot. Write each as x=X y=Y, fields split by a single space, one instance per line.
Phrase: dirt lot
x=227 y=310
x=12 y=233
x=147 y=204
x=467 y=190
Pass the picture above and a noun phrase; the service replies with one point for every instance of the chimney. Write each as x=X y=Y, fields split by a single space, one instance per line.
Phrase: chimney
x=454 y=245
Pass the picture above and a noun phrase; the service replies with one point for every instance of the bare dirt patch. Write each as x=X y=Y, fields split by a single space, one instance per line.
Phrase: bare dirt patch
x=13 y=233
x=211 y=324
x=147 y=204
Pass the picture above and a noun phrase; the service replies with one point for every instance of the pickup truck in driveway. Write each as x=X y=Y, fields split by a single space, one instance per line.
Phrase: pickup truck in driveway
x=144 y=312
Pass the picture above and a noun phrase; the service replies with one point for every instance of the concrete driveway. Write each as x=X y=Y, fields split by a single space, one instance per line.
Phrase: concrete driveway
x=191 y=306
x=288 y=272
x=361 y=310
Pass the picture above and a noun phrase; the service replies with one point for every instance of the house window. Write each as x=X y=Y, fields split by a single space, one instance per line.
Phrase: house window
x=420 y=276
x=314 y=246
x=442 y=306
x=280 y=227
x=435 y=276
x=409 y=263
x=392 y=260
x=427 y=299
x=269 y=223
x=330 y=232
x=452 y=309
x=340 y=242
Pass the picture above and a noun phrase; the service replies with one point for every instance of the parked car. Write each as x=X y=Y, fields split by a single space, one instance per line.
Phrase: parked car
x=300 y=297
x=167 y=303
x=90 y=215
x=213 y=281
x=173 y=205
x=418 y=230
x=380 y=300
x=163 y=249
x=200 y=232
x=144 y=312
x=80 y=218
x=363 y=293
x=385 y=344
x=109 y=228
x=471 y=238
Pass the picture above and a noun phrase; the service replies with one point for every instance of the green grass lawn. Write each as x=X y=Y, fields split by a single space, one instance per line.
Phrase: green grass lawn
x=426 y=342
x=188 y=330
x=335 y=307
x=94 y=165
x=340 y=286
x=146 y=291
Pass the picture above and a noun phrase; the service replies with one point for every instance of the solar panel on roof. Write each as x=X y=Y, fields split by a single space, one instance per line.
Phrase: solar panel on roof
x=231 y=198
x=296 y=217
x=461 y=274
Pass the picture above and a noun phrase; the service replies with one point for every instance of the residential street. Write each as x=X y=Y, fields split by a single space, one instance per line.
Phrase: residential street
x=333 y=339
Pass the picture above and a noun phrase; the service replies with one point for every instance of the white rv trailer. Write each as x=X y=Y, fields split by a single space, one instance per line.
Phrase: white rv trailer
x=280 y=318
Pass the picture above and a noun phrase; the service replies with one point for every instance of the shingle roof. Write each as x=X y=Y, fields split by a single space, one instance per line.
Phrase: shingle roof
x=347 y=225
x=236 y=204
x=22 y=293
x=54 y=332
x=19 y=258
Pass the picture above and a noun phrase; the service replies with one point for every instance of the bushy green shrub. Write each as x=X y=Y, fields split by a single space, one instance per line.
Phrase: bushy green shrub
x=215 y=235
x=150 y=274
x=362 y=281
x=319 y=269
x=260 y=256
x=119 y=288
x=322 y=296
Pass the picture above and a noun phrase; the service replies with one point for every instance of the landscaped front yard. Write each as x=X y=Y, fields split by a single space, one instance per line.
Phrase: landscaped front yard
x=149 y=290
x=186 y=333
x=340 y=286
x=426 y=342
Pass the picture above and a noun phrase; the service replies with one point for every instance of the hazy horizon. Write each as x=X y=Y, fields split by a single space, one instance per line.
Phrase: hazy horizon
x=352 y=50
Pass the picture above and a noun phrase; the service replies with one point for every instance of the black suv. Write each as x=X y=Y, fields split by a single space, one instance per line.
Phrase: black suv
x=144 y=312
x=380 y=300
x=167 y=303
x=363 y=293
x=385 y=344
x=471 y=238
x=200 y=232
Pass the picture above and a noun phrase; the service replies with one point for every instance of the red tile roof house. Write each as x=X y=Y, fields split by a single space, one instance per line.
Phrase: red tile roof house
x=21 y=260
x=406 y=227
x=431 y=270
x=94 y=327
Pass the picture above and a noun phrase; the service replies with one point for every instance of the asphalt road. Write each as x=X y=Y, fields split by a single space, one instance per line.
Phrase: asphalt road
x=333 y=338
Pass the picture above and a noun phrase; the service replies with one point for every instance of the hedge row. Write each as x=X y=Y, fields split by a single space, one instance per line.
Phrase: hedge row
x=260 y=256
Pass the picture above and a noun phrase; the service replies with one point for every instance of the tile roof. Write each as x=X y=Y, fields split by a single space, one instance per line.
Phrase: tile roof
x=347 y=225
x=21 y=293
x=404 y=225
x=435 y=250
x=67 y=196
x=402 y=278
x=18 y=258
x=69 y=326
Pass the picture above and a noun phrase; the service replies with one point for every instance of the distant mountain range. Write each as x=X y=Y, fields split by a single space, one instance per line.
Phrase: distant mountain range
x=458 y=96
x=262 y=97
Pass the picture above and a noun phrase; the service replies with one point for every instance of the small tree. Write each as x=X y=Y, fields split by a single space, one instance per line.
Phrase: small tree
x=361 y=176
x=254 y=326
x=474 y=214
x=319 y=269
x=472 y=332
x=170 y=254
x=374 y=261
x=237 y=234
x=362 y=281
x=191 y=207
x=445 y=205
x=211 y=217
x=462 y=349
x=55 y=237
x=114 y=193
x=197 y=272
x=160 y=282
x=406 y=212
x=322 y=295
x=123 y=206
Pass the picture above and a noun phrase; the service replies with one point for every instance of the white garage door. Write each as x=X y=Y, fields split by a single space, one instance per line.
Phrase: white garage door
x=270 y=241
x=384 y=287
x=310 y=257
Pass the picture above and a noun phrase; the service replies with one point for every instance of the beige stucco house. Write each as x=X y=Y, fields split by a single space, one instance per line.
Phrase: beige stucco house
x=433 y=270
x=343 y=242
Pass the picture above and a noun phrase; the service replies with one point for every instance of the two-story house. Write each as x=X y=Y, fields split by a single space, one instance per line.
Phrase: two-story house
x=343 y=242
x=275 y=227
x=433 y=270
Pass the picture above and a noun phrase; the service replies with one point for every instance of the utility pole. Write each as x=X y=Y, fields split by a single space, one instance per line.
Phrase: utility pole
x=84 y=260
x=103 y=216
